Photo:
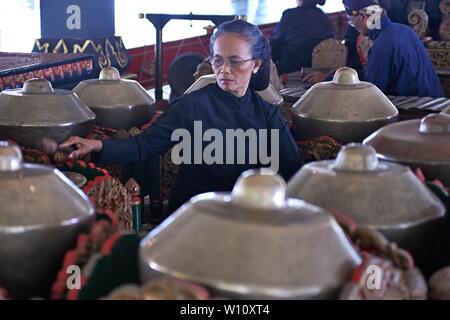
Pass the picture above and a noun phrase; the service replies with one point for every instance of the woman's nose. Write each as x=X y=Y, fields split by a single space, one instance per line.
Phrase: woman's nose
x=226 y=67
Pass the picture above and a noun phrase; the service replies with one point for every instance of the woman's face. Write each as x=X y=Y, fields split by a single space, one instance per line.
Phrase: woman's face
x=233 y=63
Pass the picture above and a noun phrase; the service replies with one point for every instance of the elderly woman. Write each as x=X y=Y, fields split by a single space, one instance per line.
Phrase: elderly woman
x=231 y=128
x=298 y=32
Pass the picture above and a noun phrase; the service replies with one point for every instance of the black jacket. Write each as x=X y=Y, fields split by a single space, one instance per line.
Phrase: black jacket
x=216 y=109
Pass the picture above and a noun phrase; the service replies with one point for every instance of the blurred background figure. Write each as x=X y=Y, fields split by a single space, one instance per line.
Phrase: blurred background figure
x=399 y=10
x=298 y=32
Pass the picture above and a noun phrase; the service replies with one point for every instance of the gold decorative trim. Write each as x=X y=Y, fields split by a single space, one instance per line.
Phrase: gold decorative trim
x=105 y=54
x=103 y=60
x=418 y=21
x=77 y=48
x=122 y=58
x=45 y=46
x=60 y=43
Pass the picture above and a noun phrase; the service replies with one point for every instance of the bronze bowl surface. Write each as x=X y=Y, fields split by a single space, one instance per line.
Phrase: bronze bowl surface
x=41 y=215
x=37 y=110
x=253 y=243
x=346 y=108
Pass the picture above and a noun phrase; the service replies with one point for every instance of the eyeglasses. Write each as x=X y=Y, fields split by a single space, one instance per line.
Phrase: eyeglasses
x=232 y=62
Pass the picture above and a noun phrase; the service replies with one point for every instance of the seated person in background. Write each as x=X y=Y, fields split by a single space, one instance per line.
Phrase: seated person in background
x=399 y=9
x=351 y=42
x=357 y=48
x=434 y=18
x=356 y=45
x=398 y=63
x=298 y=32
x=238 y=50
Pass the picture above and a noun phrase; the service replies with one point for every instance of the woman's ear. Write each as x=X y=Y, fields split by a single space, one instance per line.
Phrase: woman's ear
x=257 y=65
x=261 y=78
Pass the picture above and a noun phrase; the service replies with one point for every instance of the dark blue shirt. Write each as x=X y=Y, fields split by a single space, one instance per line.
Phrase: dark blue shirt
x=351 y=41
x=295 y=36
x=398 y=12
x=398 y=63
x=434 y=17
x=216 y=109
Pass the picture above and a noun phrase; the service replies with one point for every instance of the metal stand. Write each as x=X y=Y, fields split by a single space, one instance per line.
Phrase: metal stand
x=157 y=213
x=159 y=21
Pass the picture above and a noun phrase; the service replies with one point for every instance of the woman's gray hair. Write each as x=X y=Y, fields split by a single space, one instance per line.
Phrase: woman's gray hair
x=259 y=48
x=259 y=45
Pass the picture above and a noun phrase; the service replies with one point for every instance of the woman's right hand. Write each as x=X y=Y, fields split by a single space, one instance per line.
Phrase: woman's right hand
x=84 y=146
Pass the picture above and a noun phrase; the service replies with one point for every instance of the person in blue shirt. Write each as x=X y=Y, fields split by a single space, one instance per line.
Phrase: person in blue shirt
x=397 y=11
x=398 y=63
x=298 y=32
x=208 y=115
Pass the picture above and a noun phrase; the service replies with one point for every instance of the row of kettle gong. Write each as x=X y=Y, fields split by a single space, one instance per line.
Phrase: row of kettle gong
x=268 y=240
x=345 y=108
x=351 y=110
x=38 y=110
x=42 y=212
x=262 y=240
x=355 y=111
